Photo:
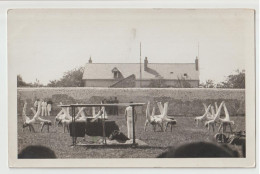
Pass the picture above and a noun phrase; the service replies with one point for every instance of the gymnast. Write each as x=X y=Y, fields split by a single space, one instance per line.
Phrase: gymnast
x=101 y=113
x=29 y=122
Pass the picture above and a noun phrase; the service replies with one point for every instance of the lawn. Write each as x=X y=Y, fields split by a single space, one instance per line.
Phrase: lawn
x=184 y=131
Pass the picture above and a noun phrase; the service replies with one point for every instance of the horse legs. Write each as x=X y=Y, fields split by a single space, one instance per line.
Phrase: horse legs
x=43 y=124
x=55 y=123
x=224 y=127
x=32 y=128
x=221 y=125
x=154 y=127
x=161 y=125
x=145 y=124
x=166 y=125
x=68 y=129
x=230 y=128
x=63 y=124
x=213 y=127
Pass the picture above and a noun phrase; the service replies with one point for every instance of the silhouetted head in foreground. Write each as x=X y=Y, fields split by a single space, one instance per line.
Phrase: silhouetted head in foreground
x=200 y=150
x=38 y=152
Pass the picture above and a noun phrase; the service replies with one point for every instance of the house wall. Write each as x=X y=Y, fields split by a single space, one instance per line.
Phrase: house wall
x=128 y=82
x=182 y=102
x=99 y=83
x=145 y=83
x=193 y=83
x=173 y=83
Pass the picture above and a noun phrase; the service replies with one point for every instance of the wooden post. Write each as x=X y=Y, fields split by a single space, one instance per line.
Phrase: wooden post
x=73 y=126
x=103 y=125
x=133 y=118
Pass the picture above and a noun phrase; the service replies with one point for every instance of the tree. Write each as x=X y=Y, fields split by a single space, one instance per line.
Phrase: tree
x=37 y=84
x=236 y=80
x=208 y=84
x=20 y=82
x=72 y=78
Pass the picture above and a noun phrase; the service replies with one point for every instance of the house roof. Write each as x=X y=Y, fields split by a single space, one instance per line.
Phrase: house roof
x=171 y=71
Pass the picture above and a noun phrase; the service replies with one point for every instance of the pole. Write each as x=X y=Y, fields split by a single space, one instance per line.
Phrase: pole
x=133 y=118
x=103 y=125
x=198 y=49
x=73 y=126
x=140 y=65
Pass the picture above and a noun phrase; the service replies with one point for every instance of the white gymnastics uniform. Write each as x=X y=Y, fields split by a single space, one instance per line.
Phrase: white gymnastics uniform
x=49 y=109
x=128 y=114
x=44 y=109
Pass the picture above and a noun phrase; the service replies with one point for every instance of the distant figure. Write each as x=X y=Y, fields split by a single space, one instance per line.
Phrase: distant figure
x=49 y=104
x=105 y=102
x=129 y=120
x=110 y=108
x=44 y=108
x=36 y=104
x=116 y=101
x=36 y=152
x=200 y=150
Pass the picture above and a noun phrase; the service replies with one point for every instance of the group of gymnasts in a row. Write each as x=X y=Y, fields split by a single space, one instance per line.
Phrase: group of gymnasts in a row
x=63 y=117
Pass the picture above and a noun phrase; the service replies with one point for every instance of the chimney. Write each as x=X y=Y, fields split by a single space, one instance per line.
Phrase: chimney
x=145 y=63
x=90 y=60
x=197 y=64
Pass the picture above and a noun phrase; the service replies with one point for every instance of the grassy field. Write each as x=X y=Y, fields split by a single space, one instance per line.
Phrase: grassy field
x=184 y=132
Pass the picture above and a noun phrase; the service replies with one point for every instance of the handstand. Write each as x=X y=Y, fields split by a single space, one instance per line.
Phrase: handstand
x=29 y=122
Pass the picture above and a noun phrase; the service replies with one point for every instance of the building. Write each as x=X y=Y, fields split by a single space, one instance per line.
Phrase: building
x=152 y=74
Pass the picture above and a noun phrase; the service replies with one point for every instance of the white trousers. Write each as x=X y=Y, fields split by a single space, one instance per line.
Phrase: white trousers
x=49 y=109
x=44 y=111
x=130 y=128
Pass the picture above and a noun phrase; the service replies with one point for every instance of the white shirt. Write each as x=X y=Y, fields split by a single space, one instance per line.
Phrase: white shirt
x=35 y=103
x=129 y=112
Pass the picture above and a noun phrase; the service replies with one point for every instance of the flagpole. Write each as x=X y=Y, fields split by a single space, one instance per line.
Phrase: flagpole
x=198 y=49
x=140 y=65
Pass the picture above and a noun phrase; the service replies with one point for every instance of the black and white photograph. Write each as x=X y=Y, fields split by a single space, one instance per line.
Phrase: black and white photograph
x=101 y=84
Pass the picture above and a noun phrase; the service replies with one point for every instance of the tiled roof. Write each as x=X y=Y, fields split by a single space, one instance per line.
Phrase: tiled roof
x=171 y=71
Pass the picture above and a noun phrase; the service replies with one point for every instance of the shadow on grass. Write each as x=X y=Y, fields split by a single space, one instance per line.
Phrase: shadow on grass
x=116 y=146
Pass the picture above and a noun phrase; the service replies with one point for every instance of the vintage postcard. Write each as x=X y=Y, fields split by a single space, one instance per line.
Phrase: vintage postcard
x=128 y=87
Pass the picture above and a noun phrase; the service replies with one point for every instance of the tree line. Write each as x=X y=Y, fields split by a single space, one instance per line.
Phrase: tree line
x=72 y=78
x=236 y=80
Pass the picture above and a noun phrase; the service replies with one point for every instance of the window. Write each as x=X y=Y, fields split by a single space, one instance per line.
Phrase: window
x=115 y=74
x=185 y=74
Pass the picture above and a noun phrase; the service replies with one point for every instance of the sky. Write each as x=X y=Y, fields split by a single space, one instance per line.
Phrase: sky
x=45 y=43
